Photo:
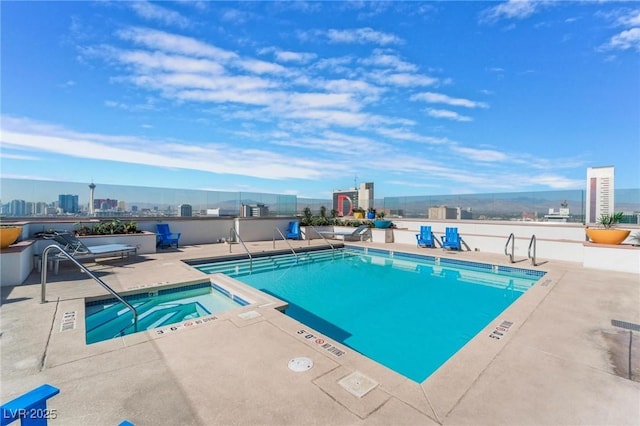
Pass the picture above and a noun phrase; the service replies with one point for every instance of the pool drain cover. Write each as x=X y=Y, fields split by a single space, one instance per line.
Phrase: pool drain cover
x=300 y=364
x=358 y=384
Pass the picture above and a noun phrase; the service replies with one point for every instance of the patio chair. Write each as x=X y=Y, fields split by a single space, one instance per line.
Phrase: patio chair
x=451 y=239
x=293 y=231
x=359 y=232
x=425 y=237
x=166 y=238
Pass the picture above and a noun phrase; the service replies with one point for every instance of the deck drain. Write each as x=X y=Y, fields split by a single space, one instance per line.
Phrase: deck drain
x=358 y=384
x=300 y=364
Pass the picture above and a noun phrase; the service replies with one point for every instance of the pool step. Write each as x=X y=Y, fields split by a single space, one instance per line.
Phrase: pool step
x=241 y=267
x=117 y=320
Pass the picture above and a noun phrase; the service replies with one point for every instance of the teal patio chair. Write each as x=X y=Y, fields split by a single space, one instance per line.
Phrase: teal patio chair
x=425 y=237
x=451 y=239
x=166 y=238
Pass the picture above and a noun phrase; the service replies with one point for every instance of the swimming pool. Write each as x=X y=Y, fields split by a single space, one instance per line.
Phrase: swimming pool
x=410 y=313
x=109 y=318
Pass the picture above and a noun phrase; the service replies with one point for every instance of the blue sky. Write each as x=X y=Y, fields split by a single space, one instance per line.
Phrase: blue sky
x=307 y=97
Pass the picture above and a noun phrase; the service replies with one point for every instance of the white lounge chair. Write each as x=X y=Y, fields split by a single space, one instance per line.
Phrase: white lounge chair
x=360 y=232
x=76 y=248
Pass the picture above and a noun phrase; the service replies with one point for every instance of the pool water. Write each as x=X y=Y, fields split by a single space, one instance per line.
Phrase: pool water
x=108 y=318
x=409 y=313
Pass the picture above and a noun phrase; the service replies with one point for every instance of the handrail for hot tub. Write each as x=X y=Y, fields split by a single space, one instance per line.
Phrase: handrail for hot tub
x=43 y=277
x=285 y=240
x=233 y=231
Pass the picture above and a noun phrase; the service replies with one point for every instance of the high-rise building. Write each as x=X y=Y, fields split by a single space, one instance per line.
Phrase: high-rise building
x=92 y=210
x=185 y=210
x=68 y=203
x=365 y=195
x=600 y=190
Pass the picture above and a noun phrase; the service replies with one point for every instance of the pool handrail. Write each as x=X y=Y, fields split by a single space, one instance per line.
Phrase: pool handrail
x=532 y=243
x=285 y=240
x=233 y=231
x=512 y=240
x=333 y=249
x=43 y=278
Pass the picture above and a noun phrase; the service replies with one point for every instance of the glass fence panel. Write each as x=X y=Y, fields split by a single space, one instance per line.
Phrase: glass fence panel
x=25 y=198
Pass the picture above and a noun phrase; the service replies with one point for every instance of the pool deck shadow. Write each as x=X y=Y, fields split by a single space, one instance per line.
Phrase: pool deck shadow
x=558 y=358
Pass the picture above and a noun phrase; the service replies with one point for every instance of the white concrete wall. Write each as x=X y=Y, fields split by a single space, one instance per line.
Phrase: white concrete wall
x=16 y=264
x=612 y=258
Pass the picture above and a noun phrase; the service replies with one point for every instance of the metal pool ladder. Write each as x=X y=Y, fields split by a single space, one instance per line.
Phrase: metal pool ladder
x=512 y=240
x=43 y=276
x=532 y=244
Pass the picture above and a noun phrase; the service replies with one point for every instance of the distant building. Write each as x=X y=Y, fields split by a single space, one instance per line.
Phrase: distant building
x=365 y=195
x=562 y=215
x=68 y=203
x=344 y=201
x=105 y=204
x=443 y=213
x=185 y=210
x=254 y=210
x=600 y=191
x=17 y=208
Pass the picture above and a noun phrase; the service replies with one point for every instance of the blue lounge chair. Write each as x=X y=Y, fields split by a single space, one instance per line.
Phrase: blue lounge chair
x=451 y=239
x=166 y=238
x=425 y=237
x=293 y=231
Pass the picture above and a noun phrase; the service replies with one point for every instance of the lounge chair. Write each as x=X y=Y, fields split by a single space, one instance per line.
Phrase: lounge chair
x=451 y=239
x=166 y=238
x=76 y=248
x=293 y=231
x=425 y=237
x=359 y=232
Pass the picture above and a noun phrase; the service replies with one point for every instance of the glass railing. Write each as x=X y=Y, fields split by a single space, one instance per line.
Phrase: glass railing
x=26 y=198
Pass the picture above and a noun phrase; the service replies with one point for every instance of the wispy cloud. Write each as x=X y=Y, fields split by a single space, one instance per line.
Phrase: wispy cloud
x=512 y=9
x=447 y=114
x=352 y=36
x=439 y=98
x=157 y=13
x=629 y=37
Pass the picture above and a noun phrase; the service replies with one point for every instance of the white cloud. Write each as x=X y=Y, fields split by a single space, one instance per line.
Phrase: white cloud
x=361 y=36
x=484 y=155
x=449 y=115
x=512 y=9
x=154 y=12
x=167 y=42
x=434 y=98
x=29 y=135
x=626 y=40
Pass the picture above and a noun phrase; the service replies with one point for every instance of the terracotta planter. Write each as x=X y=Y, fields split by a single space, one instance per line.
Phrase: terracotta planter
x=607 y=236
x=8 y=235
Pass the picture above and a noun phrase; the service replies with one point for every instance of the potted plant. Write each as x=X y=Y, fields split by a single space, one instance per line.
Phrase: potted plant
x=380 y=222
x=358 y=213
x=371 y=213
x=608 y=234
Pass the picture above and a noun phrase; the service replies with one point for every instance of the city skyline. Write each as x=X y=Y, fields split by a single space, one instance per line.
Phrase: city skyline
x=304 y=98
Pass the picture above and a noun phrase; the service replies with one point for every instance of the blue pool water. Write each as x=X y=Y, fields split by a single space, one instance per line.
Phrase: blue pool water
x=409 y=313
x=109 y=318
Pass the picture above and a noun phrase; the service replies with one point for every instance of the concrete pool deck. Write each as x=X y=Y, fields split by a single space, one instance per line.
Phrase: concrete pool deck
x=560 y=362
